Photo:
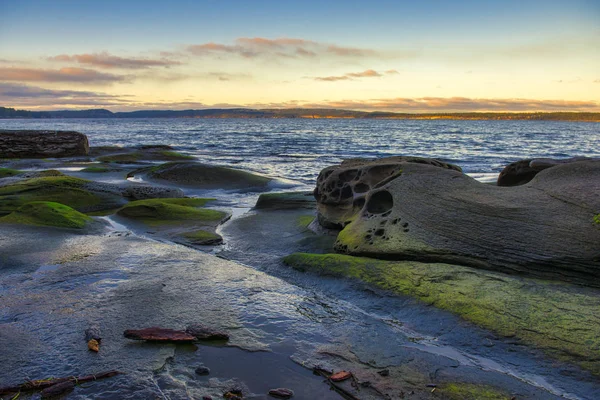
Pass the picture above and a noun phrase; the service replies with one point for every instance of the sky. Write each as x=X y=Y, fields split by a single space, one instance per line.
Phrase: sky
x=400 y=56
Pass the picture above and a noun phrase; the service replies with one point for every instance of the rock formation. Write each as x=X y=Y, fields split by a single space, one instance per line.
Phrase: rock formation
x=543 y=228
x=522 y=171
x=341 y=189
x=42 y=144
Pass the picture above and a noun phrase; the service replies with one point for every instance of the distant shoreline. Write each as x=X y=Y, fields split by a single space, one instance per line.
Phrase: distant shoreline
x=246 y=113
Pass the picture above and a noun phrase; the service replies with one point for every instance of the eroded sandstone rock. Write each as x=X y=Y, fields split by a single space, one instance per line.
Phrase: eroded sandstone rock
x=544 y=228
x=522 y=171
x=341 y=189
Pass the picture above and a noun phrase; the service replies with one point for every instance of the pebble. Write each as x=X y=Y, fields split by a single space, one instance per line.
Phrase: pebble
x=202 y=370
x=281 y=393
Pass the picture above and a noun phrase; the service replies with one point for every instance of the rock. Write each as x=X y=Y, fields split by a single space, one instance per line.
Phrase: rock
x=341 y=189
x=544 y=228
x=42 y=144
x=58 y=390
x=202 y=238
x=143 y=192
x=285 y=200
x=46 y=213
x=156 y=334
x=93 y=345
x=202 y=370
x=281 y=393
x=203 y=332
x=385 y=372
x=523 y=171
x=233 y=394
x=340 y=376
x=202 y=176
x=93 y=332
x=172 y=212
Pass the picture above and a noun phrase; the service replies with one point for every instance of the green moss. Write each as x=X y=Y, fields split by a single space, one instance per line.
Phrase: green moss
x=47 y=214
x=467 y=391
x=202 y=237
x=597 y=219
x=561 y=319
x=95 y=169
x=60 y=189
x=170 y=211
x=304 y=221
x=5 y=172
x=121 y=158
x=173 y=155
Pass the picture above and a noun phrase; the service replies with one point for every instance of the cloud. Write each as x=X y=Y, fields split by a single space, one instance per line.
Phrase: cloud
x=108 y=61
x=74 y=75
x=279 y=47
x=392 y=72
x=369 y=73
x=459 y=104
x=15 y=94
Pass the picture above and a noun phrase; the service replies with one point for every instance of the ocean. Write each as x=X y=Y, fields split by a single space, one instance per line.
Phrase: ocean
x=297 y=149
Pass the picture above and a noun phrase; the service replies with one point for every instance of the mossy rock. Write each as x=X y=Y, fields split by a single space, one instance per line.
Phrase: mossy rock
x=47 y=213
x=468 y=391
x=560 y=319
x=285 y=200
x=202 y=176
x=96 y=169
x=150 y=155
x=66 y=190
x=597 y=219
x=6 y=172
x=202 y=237
x=156 y=212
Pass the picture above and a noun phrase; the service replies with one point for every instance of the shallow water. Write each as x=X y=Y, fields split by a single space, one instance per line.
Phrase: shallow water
x=299 y=317
x=298 y=149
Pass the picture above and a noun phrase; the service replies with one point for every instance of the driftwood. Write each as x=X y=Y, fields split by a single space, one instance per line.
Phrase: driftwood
x=41 y=384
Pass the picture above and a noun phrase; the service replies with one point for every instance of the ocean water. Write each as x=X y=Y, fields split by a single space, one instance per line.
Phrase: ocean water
x=297 y=149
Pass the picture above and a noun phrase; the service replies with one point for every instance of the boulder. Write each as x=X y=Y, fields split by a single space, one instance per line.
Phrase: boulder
x=203 y=176
x=523 y=171
x=42 y=144
x=341 y=189
x=544 y=228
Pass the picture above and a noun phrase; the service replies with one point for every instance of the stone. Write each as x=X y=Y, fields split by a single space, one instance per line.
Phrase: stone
x=202 y=370
x=285 y=200
x=203 y=332
x=523 y=171
x=544 y=228
x=93 y=345
x=42 y=144
x=93 y=332
x=281 y=393
x=156 y=334
x=341 y=189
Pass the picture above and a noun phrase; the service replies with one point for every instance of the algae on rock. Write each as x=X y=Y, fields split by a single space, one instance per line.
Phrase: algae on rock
x=561 y=319
x=47 y=213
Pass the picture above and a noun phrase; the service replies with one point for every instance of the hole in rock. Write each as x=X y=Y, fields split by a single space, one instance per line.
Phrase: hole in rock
x=346 y=193
x=359 y=203
x=379 y=232
x=380 y=202
x=361 y=188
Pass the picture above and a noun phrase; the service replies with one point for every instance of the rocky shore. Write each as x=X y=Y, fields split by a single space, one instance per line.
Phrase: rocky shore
x=118 y=239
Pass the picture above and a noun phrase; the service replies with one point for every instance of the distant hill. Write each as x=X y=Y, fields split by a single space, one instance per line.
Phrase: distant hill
x=9 y=113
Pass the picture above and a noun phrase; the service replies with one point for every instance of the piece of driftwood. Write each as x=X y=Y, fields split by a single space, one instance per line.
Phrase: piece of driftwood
x=42 y=384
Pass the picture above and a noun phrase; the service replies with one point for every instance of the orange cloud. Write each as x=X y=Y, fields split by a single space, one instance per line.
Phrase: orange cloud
x=279 y=47
x=369 y=73
x=459 y=104
x=106 y=60
x=75 y=75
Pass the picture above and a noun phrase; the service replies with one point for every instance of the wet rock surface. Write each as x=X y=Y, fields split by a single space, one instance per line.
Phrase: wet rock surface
x=544 y=228
x=42 y=144
x=204 y=332
x=156 y=334
x=197 y=175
